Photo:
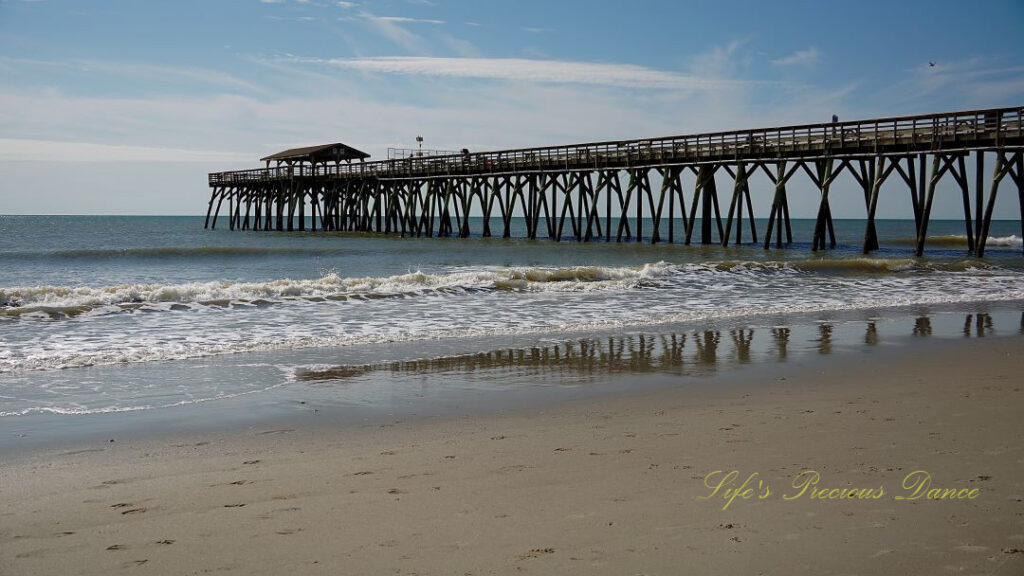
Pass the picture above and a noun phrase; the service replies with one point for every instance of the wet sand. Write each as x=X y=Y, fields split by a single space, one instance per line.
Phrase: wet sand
x=614 y=485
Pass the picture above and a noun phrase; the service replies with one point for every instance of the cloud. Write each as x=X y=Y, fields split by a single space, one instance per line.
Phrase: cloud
x=804 y=58
x=527 y=70
x=293 y=18
x=407 y=20
x=140 y=71
x=18 y=150
x=389 y=27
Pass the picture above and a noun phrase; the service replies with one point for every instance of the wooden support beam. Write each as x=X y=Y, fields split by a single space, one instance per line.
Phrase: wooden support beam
x=880 y=172
x=979 y=192
x=739 y=181
x=937 y=171
x=636 y=184
x=209 y=207
x=1002 y=167
x=624 y=209
x=960 y=174
x=220 y=199
x=825 y=178
x=777 y=217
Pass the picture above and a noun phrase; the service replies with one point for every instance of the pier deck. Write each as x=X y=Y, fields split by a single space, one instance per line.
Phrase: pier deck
x=432 y=195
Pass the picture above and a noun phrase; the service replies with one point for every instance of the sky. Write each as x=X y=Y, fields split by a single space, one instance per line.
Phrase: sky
x=123 y=107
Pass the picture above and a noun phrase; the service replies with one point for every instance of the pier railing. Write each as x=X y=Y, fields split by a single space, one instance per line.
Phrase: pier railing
x=931 y=132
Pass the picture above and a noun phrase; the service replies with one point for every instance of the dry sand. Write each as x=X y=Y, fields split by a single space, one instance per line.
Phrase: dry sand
x=607 y=486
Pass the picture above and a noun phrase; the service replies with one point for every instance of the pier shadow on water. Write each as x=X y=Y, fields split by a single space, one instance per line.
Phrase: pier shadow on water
x=675 y=352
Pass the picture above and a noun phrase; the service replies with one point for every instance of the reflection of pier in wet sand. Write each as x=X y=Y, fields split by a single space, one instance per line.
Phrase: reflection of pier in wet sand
x=683 y=353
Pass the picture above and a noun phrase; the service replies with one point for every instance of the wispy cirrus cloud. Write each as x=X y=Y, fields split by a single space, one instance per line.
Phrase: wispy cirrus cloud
x=408 y=20
x=19 y=150
x=293 y=18
x=391 y=28
x=807 y=57
x=528 y=70
x=139 y=71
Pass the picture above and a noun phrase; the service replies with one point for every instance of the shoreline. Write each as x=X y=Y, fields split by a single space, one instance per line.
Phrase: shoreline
x=590 y=486
x=478 y=376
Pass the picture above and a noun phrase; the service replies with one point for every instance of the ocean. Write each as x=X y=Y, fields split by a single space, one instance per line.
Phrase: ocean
x=153 y=315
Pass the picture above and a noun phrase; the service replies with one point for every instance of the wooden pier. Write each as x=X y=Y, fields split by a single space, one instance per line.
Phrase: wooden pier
x=595 y=187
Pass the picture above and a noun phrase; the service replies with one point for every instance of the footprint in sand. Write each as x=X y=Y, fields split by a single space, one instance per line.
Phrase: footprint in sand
x=536 y=553
x=882 y=552
x=971 y=548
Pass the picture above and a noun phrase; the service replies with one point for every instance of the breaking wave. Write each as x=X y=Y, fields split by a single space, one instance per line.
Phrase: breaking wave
x=960 y=240
x=56 y=302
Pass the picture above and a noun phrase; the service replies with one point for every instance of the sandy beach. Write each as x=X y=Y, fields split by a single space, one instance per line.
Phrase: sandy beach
x=624 y=484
